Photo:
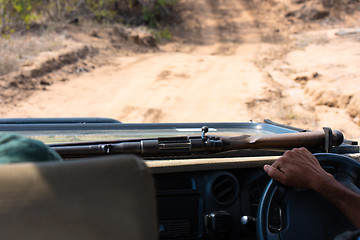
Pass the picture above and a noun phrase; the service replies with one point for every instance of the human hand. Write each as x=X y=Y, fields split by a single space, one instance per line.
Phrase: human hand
x=298 y=168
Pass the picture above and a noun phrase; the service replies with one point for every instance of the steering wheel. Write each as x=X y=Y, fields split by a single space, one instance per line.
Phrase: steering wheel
x=292 y=214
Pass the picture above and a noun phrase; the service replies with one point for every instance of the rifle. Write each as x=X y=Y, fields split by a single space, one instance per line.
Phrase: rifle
x=200 y=145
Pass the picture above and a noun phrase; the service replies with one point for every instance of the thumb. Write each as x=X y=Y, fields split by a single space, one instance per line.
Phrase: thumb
x=274 y=173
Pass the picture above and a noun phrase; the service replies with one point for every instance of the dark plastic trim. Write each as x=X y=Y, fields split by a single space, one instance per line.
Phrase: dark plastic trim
x=56 y=120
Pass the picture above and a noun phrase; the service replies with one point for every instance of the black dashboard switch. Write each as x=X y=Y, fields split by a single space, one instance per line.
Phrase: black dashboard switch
x=219 y=225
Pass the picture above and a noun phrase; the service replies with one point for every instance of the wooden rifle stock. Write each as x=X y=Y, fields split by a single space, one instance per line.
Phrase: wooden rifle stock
x=282 y=141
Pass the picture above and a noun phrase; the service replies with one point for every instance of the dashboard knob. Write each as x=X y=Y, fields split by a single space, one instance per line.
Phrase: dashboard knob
x=249 y=222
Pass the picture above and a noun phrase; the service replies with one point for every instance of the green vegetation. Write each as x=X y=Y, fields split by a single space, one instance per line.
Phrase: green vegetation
x=163 y=34
x=20 y=16
x=157 y=12
x=17 y=15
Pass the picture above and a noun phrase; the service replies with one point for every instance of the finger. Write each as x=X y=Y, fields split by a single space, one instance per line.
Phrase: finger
x=304 y=150
x=287 y=153
x=275 y=173
x=300 y=151
x=281 y=162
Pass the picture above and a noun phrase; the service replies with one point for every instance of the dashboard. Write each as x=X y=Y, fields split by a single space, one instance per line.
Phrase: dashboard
x=201 y=197
x=208 y=204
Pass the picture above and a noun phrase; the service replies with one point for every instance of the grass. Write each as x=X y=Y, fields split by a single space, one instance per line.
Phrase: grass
x=18 y=49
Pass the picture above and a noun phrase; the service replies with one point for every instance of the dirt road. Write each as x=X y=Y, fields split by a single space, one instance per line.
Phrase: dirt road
x=226 y=63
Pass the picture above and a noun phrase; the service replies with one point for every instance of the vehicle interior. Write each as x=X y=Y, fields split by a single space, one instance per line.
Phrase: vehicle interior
x=224 y=195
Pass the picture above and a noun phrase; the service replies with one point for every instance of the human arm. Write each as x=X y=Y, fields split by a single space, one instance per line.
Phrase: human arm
x=299 y=168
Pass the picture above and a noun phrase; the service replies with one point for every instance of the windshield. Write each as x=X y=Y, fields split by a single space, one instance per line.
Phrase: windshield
x=67 y=133
x=295 y=62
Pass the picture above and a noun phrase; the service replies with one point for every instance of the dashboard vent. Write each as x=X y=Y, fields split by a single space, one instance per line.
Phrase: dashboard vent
x=225 y=188
x=174 y=229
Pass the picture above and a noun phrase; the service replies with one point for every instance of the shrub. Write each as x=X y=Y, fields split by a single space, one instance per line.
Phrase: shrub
x=15 y=14
x=158 y=12
x=19 y=14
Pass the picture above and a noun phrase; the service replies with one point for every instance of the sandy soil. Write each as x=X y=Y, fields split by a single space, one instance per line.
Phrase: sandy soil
x=230 y=60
